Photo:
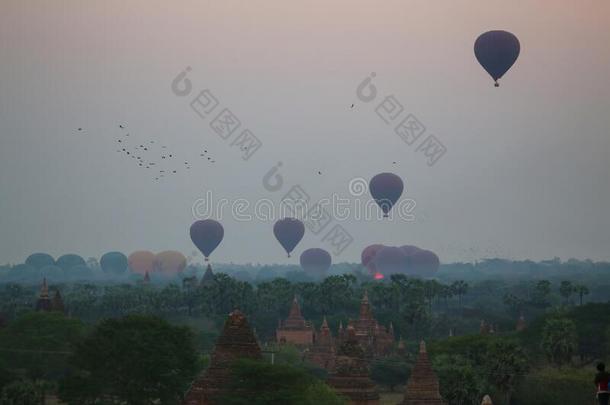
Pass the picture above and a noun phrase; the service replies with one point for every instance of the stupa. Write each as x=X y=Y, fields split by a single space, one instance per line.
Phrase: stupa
x=422 y=387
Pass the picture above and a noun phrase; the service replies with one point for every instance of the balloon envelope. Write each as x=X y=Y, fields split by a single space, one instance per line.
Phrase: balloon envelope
x=497 y=51
x=390 y=260
x=141 y=262
x=424 y=263
x=66 y=262
x=289 y=232
x=39 y=260
x=315 y=260
x=114 y=262
x=169 y=262
x=207 y=235
x=386 y=189
x=368 y=255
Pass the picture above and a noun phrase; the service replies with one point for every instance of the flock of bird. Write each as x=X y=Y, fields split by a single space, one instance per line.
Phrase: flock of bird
x=152 y=156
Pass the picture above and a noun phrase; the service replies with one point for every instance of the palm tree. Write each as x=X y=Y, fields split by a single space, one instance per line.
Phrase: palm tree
x=581 y=290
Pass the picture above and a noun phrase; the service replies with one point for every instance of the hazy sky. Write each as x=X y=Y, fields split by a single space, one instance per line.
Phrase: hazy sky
x=526 y=173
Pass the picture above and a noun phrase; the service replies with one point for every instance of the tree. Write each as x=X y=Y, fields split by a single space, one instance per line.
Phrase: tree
x=459 y=288
x=505 y=364
x=540 y=296
x=258 y=383
x=39 y=344
x=581 y=290
x=136 y=360
x=20 y=393
x=566 y=289
x=559 y=340
x=460 y=383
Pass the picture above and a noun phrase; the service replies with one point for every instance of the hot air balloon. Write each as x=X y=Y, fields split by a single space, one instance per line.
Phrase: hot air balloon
x=141 y=262
x=386 y=189
x=66 y=262
x=497 y=51
x=39 y=260
x=316 y=261
x=390 y=260
x=368 y=257
x=289 y=232
x=114 y=262
x=207 y=235
x=169 y=262
x=424 y=263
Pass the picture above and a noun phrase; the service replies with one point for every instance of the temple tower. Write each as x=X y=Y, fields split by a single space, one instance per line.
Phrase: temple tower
x=237 y=341
x=422 y=387
x=295 y=329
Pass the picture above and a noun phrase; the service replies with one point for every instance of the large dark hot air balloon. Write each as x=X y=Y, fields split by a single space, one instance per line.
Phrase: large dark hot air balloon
x=424 y=263
x=66 y=262
x=316 y=261
x=207 y=235
x=386 y=189
x=390 y=260
x=368 y=257
x=141 y=262
x=169 y=262
x=497 y=51
x=40 y=260
x=114 y=262
x=289 y=232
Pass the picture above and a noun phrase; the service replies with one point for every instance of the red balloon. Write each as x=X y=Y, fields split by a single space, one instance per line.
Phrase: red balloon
x=424 y=263
x=141 y=262
x=391 y=260
x=368 y=255
x=170 y=262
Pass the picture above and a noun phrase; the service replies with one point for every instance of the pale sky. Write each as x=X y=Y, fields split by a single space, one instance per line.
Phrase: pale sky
x=525 y=175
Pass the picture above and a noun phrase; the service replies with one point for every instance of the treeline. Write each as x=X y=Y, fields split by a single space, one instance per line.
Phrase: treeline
x=416 y=308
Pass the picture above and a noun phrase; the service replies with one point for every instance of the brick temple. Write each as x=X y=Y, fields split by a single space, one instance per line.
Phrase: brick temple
x=350 y=377
x=45 y=303
x=237 y=341
x=422 y=387
x=295 y=329
x=322 y=352
x=376 y=340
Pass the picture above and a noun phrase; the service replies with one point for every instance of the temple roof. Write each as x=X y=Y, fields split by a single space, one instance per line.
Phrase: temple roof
x=237 y=341
x=295 y=310
x=44 y=289
x=423 y=386
x=208 y=277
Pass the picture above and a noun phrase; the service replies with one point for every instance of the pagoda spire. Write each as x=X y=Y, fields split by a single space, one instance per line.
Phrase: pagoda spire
x=365 y=309
x=423 y=386
x=44 y=289
x=295 y=310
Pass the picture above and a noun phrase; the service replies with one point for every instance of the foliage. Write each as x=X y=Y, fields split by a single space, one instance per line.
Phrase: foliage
x=38 y=344
x=551 y=386
x=559 y=340
x=258 y=383
x=136 y=359
x=390 y=371
x=21 y=393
